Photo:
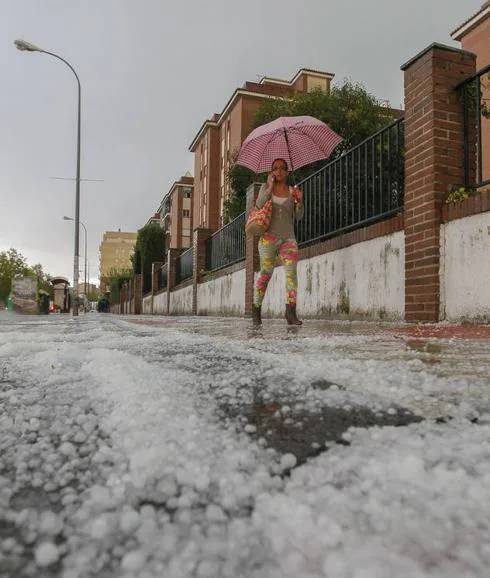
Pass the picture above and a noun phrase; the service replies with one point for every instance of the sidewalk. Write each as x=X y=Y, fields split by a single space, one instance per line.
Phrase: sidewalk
x=438 y=365
x=236 y=326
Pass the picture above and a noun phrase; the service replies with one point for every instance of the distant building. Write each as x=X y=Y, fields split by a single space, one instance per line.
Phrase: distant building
x=220 y=137
x=176 y=213
x=156 y=218
x=115 y=254
x=87 y=289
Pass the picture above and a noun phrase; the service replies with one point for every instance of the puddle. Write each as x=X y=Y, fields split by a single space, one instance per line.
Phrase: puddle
x=306 y=434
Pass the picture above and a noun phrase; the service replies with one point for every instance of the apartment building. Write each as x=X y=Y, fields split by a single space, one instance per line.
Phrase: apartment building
x=175 y=213
x=156 y=218
x=87 y=288
x=220 y=137
x=115 y=251
x=474 y=35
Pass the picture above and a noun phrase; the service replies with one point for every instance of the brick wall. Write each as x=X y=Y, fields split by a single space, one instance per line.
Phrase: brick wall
x=172 y=255
x=433 y=166
x=474 y=205
x=138 y=293
x=387 y=227
x=199 y=264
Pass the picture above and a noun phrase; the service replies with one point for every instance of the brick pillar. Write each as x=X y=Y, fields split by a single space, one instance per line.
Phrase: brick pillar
x=121 y=299
x=129 y=295
x=155 y=268
x=252 y=263
x=172 y=255
x=138 y=293
x=434 y=166
x=199 y=265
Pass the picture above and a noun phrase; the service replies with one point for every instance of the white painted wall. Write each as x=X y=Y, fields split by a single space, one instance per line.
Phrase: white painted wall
x=146 y=305
x=222 y=296
x=160 y=304
x=181 y=301
x=465 y=269
x=363 y=280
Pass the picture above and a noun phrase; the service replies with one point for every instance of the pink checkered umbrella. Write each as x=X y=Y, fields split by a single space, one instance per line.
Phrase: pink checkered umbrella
x=299 y=140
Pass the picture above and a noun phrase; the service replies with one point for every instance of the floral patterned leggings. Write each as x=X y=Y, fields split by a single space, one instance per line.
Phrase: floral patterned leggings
x=270 y=247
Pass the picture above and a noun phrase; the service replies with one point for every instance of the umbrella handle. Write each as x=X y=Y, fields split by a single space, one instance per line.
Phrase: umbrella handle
x=289 y=150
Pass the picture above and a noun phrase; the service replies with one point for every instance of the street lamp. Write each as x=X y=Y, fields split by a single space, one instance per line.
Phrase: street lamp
x=85 y=229
x=28 y=47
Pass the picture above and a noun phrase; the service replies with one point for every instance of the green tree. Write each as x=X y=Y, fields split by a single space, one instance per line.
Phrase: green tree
x=150 y=247
x=239 y=179
x=11 y=263
x=348 y=109
x=115 y=280
x=136 y=259
x=14 y=263
x=43 y=279
x=93 y=295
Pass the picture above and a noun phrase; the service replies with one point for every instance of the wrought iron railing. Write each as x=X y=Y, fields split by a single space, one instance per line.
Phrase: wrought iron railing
x=475 y=94
x=226 y=246
x=162 y=277
x=184 y=266
x=363 y=186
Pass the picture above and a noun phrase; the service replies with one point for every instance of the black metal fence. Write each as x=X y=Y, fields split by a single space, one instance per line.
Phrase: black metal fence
x=475 y=94
x=226 y=246
x=184 y=265
x=363 y=186
x=162 y=278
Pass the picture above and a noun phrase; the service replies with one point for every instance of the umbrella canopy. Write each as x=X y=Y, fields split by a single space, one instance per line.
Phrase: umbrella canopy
x=299 y=140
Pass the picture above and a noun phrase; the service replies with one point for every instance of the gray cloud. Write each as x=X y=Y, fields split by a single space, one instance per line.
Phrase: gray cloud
x=151 y=72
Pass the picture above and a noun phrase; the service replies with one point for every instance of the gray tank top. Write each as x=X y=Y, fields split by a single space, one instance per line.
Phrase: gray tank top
x=282 y=221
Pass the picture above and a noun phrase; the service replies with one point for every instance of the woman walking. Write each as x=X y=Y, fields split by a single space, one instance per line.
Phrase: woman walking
x=279 y=240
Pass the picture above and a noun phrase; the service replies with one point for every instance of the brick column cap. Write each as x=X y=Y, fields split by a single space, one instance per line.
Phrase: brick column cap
x=434 y=46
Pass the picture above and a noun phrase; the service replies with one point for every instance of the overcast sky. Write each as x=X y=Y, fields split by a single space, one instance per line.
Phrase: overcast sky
x=152 y=71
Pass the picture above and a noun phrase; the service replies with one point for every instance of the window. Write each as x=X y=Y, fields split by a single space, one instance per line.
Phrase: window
x=186 y=213
x=187 y=193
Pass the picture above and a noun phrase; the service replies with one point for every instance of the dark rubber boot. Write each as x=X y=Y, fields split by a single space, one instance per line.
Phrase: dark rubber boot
x=291 y=317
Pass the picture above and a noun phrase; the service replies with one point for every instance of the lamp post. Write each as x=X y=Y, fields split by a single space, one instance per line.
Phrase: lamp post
x=27 y=46
x=85 y=268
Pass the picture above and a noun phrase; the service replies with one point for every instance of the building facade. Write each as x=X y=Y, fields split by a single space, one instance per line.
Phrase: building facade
x=219 y=139
x=115 y=254
x=474 y=35
x=87 y=289
x=176 y=213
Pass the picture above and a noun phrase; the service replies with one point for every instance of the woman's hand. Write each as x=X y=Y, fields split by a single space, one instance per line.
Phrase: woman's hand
x=298 y=196
x=270 y=181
